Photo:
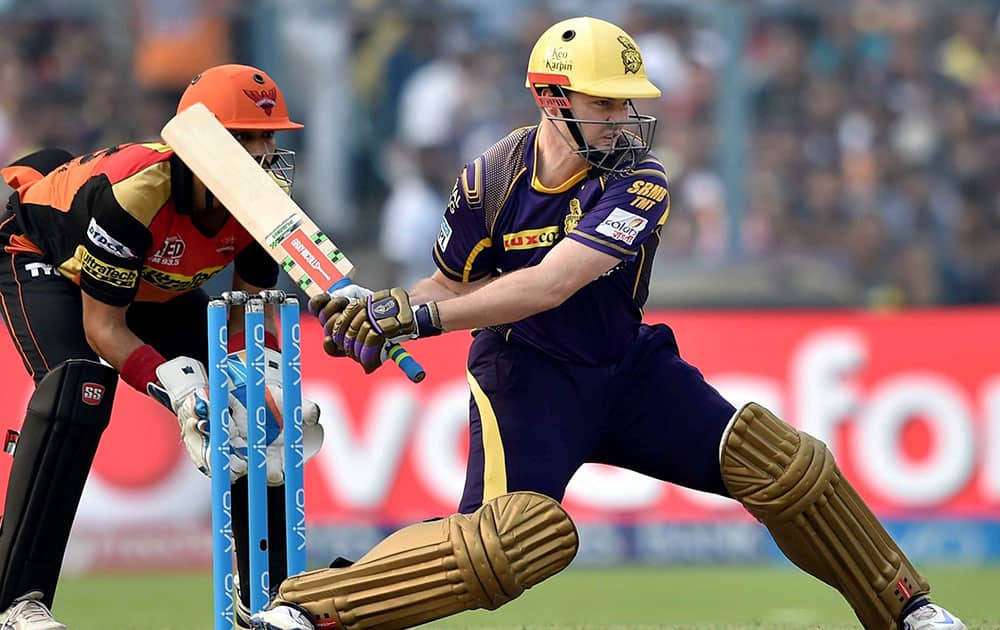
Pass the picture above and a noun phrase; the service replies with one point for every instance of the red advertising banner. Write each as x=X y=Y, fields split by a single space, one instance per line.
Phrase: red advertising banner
x=908 y=402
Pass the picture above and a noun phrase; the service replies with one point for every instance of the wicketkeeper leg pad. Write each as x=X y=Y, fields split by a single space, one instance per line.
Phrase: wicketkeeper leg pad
x=434 y=569
x=790 y=482
x=66 y=417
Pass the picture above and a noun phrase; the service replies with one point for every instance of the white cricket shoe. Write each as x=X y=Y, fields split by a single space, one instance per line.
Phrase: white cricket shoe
x=282 y=617
x=29 y=613
x=932 y=617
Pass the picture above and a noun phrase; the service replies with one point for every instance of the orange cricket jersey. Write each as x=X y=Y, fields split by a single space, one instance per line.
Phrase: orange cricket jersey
x=118 y=223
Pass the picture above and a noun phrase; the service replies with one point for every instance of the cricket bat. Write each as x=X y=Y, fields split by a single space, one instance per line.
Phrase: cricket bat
x=271 y=217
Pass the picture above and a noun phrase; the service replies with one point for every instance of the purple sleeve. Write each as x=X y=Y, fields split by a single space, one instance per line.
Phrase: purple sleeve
x=629 y=210
x=463 y=245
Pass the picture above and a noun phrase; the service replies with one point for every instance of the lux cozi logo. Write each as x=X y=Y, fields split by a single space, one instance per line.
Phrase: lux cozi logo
x=530 y=239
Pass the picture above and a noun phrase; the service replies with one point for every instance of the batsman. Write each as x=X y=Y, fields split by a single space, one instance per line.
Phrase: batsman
x=101 y=265
x=545 y=253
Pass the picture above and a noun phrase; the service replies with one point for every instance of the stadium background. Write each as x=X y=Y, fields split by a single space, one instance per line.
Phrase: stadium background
x=833 y=249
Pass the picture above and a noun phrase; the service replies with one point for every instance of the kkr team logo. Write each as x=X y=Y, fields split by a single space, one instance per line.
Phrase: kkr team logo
x=573 y=217
x=630 y=56
x=264 y=99
x=385 y=308
x=453 y=200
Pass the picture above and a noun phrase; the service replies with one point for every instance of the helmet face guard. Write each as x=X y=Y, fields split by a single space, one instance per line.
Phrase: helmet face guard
x=633 y=141
x=280 y=165
x=246 y=98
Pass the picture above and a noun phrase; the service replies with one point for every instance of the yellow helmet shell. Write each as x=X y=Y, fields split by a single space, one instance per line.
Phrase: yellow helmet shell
x=590 y=56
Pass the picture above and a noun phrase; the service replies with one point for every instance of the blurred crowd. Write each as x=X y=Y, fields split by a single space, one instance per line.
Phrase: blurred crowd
x=872 y=127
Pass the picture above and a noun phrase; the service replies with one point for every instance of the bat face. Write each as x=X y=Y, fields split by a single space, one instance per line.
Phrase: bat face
x=311 y=259
x=254 y=199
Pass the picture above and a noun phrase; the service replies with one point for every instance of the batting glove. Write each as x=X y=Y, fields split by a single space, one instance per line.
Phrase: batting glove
x=327 y=306
x=364 y=328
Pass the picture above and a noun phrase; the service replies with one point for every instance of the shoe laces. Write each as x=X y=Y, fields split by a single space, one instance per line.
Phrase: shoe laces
x=35 y=611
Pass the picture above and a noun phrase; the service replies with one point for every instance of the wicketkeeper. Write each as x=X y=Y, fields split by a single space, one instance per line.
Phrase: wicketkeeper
x=101 y=262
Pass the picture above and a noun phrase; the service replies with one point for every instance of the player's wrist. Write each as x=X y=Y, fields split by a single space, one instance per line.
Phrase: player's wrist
x=139 y=368
x=427 y=320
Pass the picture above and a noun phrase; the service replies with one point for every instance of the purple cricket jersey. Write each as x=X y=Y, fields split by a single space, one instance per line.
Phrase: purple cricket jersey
x=500 y=218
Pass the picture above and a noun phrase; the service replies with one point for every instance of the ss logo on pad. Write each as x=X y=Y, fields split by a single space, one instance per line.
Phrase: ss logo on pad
x=93 y=393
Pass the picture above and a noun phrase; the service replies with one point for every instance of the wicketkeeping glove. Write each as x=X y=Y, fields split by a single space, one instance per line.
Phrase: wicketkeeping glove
x=183 y=388
x=363 y=328
x=312 y=431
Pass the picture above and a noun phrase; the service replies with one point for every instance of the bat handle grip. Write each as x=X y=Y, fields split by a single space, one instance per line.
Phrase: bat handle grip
x=406 y=362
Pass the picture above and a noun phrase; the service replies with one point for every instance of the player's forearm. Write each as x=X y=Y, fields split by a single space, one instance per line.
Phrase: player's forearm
x=508 y=298
x=113 y=343
x=430 y=290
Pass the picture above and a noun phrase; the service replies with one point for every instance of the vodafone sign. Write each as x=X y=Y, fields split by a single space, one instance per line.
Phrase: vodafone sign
x=909 y=403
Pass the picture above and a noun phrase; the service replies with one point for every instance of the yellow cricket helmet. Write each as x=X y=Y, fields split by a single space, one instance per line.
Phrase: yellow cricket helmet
x=596 y=58
x=590 y=56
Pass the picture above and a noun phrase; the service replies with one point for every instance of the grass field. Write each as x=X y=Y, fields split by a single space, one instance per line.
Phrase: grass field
x=690 y=598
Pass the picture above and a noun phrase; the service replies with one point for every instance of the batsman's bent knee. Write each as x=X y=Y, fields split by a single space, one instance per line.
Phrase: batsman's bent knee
x=790 y=482
x=431 y=570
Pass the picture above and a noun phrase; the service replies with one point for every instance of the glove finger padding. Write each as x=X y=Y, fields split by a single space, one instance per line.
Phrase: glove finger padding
x=329 y=318
x=312 y=439
x=339 y=327
x=183 y=384
x=369 y=348
x=274 y=424
x=317 y=302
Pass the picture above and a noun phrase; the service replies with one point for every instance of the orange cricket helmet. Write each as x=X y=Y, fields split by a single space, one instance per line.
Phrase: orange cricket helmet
x=241 y=97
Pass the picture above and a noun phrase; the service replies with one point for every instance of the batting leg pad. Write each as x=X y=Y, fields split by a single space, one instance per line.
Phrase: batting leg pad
x=67 y=415
x=431 y=570
x=791 y=483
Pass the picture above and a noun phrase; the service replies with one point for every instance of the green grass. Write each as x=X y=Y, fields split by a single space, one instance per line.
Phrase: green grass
x=696 y=597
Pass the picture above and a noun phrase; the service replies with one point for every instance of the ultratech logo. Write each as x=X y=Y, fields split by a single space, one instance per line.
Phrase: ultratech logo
x=99 y=237
x=530 y=239
x=170 y=252
x=177 y=283
x=103 y=272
